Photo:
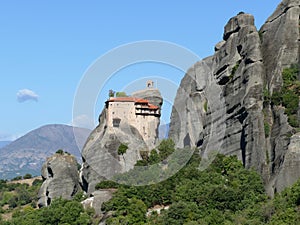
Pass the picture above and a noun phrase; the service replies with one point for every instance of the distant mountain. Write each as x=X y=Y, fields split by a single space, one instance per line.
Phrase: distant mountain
x=27 y=154
x=4 y=143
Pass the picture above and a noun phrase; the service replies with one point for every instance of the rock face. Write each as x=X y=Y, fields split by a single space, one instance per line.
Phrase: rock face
x=60 y=177
x=97 y=199
x=290 y=167
x=220 y=105
x=101 y=159
x=151 y=94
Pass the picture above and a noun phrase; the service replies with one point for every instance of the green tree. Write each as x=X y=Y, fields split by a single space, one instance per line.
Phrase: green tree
x=111 y=93
x=121 y=94
x=27 y=176
x=122 y=149
x=154 y=157
x=166 y=148
x=60 y=151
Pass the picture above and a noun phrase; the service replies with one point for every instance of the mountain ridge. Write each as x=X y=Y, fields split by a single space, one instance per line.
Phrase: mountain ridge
x=27 y=153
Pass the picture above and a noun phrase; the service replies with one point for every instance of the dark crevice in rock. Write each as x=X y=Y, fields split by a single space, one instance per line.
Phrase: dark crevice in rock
x=75 y=190
x=50 y=172
x=224 y=80
x=48 y=201
x=245 y=80
x=243 y=144
x=242 y=115
x=249 y=61
x=239 y=49
x=187 y=140
x=84 y=184
x=231 y=110
x=280 y=15
x=227 y=35
x=200 y=142
x=222 y=69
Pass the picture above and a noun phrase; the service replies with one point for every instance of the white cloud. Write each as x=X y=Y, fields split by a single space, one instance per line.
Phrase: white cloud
x=26 y=95
x=83 y=121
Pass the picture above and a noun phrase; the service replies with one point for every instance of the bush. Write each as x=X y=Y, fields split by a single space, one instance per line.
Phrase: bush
x=267 y=129
x=289 y=95
x=106 y=184
x=166 y=148
x=121 y=94
x=17 y=178
x=290 y=75
x=37 y=182
x=293 y=120
x=122 y=149
x=27 y=176
x=60 y=151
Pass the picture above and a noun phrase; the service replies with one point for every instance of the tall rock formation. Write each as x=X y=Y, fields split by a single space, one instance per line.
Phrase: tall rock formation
x=60 y=175
x=101 y=156
x=221 y=102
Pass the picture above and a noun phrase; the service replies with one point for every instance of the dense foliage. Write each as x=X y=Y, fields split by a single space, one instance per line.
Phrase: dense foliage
x=289 y=94
x=59 y=212
x=17 y=194
x=213 y=196
x=224 y=193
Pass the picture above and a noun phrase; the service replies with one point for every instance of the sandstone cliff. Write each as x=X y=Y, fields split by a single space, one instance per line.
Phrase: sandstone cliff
x=60 y=175
x=221 y=103
x=101 y=159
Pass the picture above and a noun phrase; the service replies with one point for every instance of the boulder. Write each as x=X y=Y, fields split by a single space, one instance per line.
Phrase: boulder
x=60 y=175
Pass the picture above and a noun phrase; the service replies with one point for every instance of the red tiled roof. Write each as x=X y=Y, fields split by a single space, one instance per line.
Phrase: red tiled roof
x=140 y=100
x=152 y=106
x=132 y=99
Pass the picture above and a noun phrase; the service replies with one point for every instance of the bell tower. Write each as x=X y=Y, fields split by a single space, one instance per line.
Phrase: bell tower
x=150 y=84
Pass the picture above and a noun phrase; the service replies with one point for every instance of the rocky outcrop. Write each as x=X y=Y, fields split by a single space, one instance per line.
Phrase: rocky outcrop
x=151 y=94
x=280 y=41
x=60 y=175
x=220 y=98
x=97 y=200
x=290 y=167
x=220 y=105
x=101 y=159
x=280 y=47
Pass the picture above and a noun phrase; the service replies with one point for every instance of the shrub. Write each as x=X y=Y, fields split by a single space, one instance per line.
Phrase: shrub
x=17 y=178
x=289 y=95
x=234 y=69
x=122 y=149
x=290 y=75
x=121 y=94
x=27 y=176
x=267 y=129
x=106 y=184
x=60 y=151
x=293 y=120
x=166 y=148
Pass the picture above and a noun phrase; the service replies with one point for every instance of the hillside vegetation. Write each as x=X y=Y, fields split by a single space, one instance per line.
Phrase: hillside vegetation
x=225 y=193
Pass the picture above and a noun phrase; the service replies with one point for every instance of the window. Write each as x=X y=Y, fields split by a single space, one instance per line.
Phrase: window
x=116 y=122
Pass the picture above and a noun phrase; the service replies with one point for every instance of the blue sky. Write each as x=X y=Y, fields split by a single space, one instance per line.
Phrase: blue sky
x=46 y=47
